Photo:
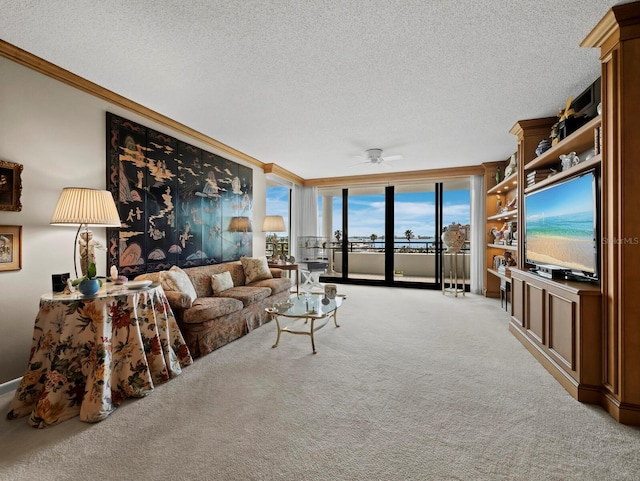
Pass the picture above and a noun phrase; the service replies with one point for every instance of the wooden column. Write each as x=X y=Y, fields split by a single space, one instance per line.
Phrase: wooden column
x=529 y=134
x=618 y=37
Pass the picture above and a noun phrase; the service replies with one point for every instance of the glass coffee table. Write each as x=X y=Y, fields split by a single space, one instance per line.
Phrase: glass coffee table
x=305 y=314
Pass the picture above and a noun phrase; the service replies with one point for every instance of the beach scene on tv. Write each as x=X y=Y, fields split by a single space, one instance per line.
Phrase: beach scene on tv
x=560 y=225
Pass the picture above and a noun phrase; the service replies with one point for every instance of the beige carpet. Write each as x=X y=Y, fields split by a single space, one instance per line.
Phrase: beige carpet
x=413 y=386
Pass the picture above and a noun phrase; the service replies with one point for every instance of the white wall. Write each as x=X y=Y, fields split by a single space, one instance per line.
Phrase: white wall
x=58 y=133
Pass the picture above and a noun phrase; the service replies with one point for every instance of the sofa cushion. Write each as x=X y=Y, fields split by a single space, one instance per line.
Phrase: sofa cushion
x=208 y=308
x=276 y=284
x=149 y=276
x=221 y=282
x=178 y=300
x=175 y=279
x=201 y=276
x=255 y=269
x=246 y=294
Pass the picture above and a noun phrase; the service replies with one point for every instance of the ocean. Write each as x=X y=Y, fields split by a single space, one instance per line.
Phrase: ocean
x=577 y=226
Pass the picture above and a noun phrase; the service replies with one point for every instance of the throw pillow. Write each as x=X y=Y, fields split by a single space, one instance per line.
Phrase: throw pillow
x=255 y=269
x=221 y=282
x=175 y=279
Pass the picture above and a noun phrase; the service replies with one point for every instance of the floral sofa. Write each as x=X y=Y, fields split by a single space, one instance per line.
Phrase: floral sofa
x=219 y=303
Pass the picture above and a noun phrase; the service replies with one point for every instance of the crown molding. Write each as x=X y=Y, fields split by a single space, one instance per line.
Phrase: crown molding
x=283 y=173
x=44 y=67
x=396 y=177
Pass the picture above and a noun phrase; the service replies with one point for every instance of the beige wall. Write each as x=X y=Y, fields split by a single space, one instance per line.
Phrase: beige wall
x=58 y=134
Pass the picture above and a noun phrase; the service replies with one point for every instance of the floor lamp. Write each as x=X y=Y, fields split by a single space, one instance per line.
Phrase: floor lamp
x=86 y=207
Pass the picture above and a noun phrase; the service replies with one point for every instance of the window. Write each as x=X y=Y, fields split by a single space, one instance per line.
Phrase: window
x=278 y=203
x=392 y=232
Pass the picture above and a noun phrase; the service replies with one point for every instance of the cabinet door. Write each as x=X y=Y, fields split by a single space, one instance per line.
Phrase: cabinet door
x=562 y=330
x=517 y=304
x=535 y=312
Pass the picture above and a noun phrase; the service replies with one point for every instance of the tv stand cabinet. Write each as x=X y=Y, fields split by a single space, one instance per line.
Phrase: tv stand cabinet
x=559 y=322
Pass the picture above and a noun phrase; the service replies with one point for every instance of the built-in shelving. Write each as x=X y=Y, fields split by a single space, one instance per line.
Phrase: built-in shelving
x=504 y=186
x=576 y=169
x=506 y=215
x=504 y=277
x=506 y=191
x=578 y=142
x=505 y=247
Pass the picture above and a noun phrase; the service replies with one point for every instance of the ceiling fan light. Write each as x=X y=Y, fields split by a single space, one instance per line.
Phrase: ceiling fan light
x=374 y=155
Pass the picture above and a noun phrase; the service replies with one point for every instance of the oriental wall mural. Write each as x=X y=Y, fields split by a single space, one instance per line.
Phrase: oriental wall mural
x=179 y=205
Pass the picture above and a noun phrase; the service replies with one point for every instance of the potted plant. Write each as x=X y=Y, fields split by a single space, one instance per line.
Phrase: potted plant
x=88 y=284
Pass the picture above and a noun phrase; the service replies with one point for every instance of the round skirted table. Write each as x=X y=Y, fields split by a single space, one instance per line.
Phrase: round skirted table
x=90 y=353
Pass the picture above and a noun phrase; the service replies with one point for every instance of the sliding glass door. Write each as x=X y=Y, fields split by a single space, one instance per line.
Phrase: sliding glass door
x=390 y=235
x=415 y=231
x=456 y=209
x=365 y=233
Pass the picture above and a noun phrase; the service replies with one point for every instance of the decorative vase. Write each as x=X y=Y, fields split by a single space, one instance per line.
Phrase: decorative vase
x=543 y=146
x=453 y=238
x=89 y=287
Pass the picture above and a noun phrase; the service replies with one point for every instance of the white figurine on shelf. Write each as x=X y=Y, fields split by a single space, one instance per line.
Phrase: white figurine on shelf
x=512 y=167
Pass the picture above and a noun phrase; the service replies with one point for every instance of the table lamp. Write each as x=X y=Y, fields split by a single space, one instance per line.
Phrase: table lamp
x=274 y=223
x=86 y=207
x=239 y=224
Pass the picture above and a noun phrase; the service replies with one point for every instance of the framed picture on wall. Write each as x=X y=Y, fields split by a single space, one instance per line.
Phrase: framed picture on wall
x=10 y=186
x=10 y=247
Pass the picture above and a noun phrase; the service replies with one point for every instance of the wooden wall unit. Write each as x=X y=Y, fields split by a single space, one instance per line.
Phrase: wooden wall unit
x=618 y=37
x=507 y=189
x=588 y=335
x=559 y=322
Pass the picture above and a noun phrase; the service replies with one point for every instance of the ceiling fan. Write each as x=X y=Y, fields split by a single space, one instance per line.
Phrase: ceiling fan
x=375 y=157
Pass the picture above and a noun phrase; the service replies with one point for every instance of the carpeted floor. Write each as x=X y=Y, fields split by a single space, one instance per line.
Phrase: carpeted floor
x=414 y=385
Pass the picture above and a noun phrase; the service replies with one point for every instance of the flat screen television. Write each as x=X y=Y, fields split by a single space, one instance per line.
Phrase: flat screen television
x=562 y=226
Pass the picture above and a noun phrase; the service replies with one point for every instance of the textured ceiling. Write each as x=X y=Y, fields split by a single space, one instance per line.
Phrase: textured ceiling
x=310 y=84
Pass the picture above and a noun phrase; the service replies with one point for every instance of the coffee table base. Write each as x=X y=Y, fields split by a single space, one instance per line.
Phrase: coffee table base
x=311 y=322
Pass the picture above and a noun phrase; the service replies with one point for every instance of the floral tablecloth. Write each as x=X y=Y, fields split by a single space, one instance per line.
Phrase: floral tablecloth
x=89 y=354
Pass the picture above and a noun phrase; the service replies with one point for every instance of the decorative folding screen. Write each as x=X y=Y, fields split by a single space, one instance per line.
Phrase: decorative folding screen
x=179 y=205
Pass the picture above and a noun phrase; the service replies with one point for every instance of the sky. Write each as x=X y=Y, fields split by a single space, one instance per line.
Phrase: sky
x=575 y=195
x=413 y=211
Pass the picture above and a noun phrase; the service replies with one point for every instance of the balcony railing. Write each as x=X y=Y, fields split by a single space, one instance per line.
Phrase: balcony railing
x=366 y=258
x=416 y=246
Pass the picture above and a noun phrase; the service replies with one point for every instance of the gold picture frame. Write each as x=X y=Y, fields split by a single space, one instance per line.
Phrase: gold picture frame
x=10 y=247
x=10 y=186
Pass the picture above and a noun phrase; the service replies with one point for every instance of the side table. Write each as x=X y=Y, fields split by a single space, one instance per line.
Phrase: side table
x=90 y=353
x=288 y=267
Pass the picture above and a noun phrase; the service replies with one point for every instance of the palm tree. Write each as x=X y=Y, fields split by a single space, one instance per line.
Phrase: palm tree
x=337 y=234
x=408 y=234
x=373 y=238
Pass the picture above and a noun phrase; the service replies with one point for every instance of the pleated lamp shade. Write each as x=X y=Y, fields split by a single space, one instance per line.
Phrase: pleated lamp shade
x=79 y=205
x=273 y=223
x=239 y=224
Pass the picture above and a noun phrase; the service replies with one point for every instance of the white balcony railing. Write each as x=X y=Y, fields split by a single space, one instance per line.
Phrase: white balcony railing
x=410 y=264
